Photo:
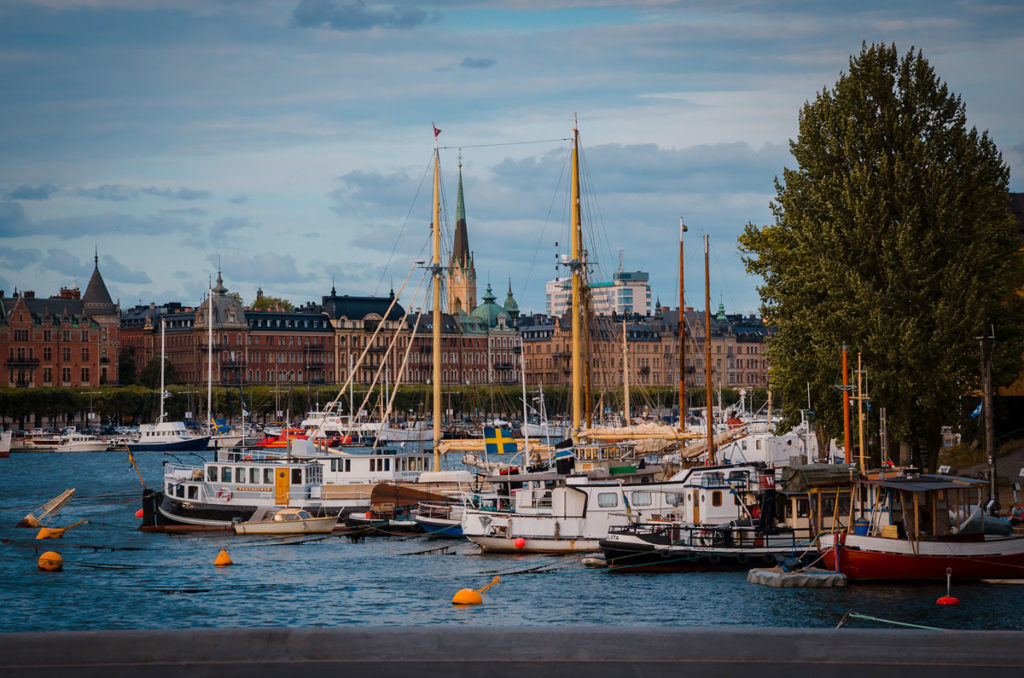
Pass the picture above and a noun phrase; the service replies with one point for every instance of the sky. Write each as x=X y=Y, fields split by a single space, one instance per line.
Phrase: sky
x=289 y=144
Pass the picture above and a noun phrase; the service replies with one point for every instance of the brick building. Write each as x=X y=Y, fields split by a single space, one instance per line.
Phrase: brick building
x=63 y=340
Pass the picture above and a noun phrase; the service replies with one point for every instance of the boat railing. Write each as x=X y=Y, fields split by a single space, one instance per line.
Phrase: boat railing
x=730 y=536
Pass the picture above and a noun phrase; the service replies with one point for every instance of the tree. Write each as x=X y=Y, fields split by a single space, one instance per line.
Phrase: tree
x=150 y=375
x=125 y=367
x=266 y=303
x=893 y=236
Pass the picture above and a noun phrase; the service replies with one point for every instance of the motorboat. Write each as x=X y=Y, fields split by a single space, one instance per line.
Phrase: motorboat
x=167 y=436
x=906 y=525
x=81 y=442
x=271 y=520
x=5 y=443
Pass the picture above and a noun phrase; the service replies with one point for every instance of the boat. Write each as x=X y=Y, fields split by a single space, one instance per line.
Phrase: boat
x=906 y=525
x=392 y=511
x=5 y=443
x=47 y=511
x=270 y=520
x=166 y=436
x=81 y=442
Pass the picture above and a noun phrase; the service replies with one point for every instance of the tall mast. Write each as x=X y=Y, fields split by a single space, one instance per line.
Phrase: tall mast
x=707 y=356
x=209 y=363
x=682 y=334
x=577 y=361
x=848 y=453
x=436 y=269
x=860 y=415
x=163 y=359
x=625 y=373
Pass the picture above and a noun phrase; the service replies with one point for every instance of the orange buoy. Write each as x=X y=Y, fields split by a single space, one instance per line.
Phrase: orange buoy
x=138 y=514
x=223 y=559
x=520 y=542
x=472 y=596
x=50 y=562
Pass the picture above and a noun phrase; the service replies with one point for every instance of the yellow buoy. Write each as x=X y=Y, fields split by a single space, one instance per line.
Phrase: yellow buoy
x=50 y=562
x=472 y=596
x=56 y=532
x=223 y=559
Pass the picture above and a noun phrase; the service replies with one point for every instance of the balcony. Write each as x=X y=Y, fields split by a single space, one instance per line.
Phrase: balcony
x=23 y=362
x=104 y=361
x=315 y=365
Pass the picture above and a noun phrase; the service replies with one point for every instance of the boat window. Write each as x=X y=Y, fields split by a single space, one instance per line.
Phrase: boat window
x=716 y=498
x=641 y=499
x=240 y=475
x=607 y=499
x=268 y=476
x=193 y=491
x=225 y=474
x=211 y=474
x=387 y=464
x=304 y=515
x=180 y=491
x=254 y=476
x=674 y=498
x=296 y=476
x=348 y=465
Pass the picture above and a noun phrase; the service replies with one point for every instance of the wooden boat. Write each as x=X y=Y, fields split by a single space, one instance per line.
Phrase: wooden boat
x=914 y=526
x=269 y=520
x=47 y=510
x=80 y=442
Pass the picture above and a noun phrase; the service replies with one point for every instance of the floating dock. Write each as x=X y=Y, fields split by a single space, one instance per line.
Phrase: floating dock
x=811 y=577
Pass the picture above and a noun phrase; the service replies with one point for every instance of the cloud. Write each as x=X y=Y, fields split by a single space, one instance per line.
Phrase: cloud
x=65 y=263
x=96 y=224
x=223 y=227
x=19 y=258
x=186 y=211
x=112 y=192
x=356 y=16
x=359 y=190
x=114 y=270
x=177 y=194
x=12 y=219
x=240 y=199
x=26 y=192
x=470 y=62
x=269 y=267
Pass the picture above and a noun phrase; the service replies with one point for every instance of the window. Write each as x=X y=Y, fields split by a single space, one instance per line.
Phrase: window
x=716 y=498
x=674 y=498
x=66 y=353
x=641 y=499
x=47 y=375
x=239 y=475
x=211 y=474
x=268 y=476
x=85 y=354
x=66 y=374
x=193 y=491
x=607 y=499
x=225 y=474
x=387 y=464
x=296 y=476
x=85 y=374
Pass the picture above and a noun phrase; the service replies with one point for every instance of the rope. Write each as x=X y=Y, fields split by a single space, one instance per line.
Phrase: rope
x=855 y=615
x=507 y=143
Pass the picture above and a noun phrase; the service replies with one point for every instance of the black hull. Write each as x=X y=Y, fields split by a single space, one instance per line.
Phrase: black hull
x=359 y=525
x=647 y=558
x=161 y=513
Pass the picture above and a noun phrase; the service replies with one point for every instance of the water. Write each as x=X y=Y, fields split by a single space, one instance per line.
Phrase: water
x=115 y=577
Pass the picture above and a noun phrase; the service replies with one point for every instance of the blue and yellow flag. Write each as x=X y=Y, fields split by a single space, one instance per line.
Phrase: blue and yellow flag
x=499 y=441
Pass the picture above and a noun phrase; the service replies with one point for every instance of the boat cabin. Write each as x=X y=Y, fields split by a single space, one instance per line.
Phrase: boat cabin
x=240 y=481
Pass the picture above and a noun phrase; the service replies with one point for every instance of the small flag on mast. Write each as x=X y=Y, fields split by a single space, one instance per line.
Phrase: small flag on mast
x=436 y=131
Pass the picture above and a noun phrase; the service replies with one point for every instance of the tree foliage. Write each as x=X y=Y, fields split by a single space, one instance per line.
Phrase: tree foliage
x=266 y=303
x=150 y=375
x=892 y=236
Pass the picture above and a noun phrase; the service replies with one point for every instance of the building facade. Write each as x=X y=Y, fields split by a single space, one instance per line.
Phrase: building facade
x=628 y=292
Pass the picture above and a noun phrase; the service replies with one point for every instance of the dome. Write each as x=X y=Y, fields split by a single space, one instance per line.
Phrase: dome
x=510 y=303
x=227 y=312
x=489 y=312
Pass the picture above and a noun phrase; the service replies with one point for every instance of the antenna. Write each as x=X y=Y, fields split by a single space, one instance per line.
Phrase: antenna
x=620 y=260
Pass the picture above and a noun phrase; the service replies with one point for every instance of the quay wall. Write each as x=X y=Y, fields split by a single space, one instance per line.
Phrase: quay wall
x=452 y=650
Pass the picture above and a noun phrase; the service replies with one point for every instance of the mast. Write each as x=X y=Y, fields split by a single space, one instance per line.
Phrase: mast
x=526 y=436
x=436 y=270
x=577 y=362
x=707 y=357
x=682 y=334
x=848 y=453
x=860 y=415
x=625 y=373
x=163 y=359
x=209 y=363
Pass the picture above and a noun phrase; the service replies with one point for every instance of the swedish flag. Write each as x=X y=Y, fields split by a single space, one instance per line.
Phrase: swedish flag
x=499 y=441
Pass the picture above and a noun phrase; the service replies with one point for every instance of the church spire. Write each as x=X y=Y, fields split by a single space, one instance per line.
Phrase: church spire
x=460 y=250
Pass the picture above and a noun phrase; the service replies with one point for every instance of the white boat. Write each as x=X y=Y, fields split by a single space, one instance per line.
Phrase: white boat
x=546 y=430
x=81 y=442
x=5 y=443
x=574 y=514
x=272 y=520
x=167 y=436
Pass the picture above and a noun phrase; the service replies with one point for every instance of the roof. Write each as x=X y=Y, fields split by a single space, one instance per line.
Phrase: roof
x=96 y=300
x=357 y=308
x=925 y=483
x=460 y=248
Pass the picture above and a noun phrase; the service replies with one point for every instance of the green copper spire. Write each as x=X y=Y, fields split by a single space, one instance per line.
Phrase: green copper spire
x=460 y=249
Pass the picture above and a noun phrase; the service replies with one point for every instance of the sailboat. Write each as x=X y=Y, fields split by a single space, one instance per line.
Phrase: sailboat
x=166 y=436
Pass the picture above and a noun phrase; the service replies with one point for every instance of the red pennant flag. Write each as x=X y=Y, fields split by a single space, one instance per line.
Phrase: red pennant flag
x=436 y=131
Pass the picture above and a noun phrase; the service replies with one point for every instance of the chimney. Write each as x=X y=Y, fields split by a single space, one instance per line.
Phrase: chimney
x=28 y=294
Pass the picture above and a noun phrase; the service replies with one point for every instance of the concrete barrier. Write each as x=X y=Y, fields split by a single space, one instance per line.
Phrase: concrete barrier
x=422 y=652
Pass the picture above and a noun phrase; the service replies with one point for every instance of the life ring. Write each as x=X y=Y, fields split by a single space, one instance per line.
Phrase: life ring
x=248 y=458
x=224 y=494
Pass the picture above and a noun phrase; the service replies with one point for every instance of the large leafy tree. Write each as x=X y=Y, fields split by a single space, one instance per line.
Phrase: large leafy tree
x=893 y=236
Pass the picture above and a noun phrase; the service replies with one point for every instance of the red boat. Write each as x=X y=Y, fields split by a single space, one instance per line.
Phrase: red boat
x=914 y=526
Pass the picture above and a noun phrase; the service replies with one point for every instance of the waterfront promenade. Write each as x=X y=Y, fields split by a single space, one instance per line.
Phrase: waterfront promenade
x=450 y=650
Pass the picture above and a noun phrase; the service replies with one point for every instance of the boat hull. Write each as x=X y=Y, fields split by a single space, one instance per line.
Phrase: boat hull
x=440 y=527
x=496 y=544
x=309 y=526
x=193 y=445
x=879 y=558
x=647 y=558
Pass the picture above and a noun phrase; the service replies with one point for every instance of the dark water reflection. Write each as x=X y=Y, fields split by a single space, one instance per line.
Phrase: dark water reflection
x=118 y=578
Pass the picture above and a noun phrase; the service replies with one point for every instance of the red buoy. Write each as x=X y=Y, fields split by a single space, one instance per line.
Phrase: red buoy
x=520 y=542
x=947 y=600
x=138 y=514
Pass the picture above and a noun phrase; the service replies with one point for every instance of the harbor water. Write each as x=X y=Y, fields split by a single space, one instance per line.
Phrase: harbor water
x=115 y=577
